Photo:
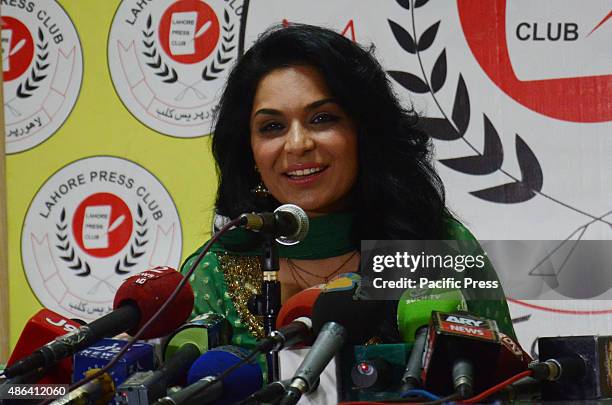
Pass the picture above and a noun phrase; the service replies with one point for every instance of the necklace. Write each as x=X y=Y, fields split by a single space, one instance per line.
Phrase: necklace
x=296 y=269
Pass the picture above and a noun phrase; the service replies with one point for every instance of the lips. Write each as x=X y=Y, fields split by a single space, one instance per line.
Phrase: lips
x=305 y=173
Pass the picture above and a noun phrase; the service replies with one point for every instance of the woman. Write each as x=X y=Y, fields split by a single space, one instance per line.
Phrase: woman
x=309 y=118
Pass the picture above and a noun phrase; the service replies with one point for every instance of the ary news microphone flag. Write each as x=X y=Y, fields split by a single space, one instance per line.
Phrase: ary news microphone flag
x=413 y=317
x=293 y=323
x=236 y=386
x=466 y=354
x=42 y=328
x=335 y=324
x=136 y=301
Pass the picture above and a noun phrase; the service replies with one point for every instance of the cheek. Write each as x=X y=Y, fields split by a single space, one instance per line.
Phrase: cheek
x=348 y=155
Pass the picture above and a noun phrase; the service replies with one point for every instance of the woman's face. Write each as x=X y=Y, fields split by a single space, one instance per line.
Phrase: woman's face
x=303 y=142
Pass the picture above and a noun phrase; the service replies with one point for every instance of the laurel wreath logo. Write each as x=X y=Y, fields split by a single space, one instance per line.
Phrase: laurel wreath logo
x=68 y=254
x=155 y=62
x=218 y=64
x=130 y=259
x=454 y=126
x=37 y=71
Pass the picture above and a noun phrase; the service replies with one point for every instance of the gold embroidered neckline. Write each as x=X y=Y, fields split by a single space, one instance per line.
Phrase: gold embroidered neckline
x=243 y=277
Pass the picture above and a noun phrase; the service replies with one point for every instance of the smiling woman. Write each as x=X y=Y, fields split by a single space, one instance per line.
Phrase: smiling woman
x=303 y=142
x=308 y=117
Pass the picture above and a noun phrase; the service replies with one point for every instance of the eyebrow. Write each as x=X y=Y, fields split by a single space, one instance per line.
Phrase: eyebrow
x=311 y=106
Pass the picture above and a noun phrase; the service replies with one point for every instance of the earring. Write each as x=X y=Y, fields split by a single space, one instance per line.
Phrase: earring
x=260 y=190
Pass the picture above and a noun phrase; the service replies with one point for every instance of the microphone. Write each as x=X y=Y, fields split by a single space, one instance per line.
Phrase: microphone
x=236 y=386
x=138 y=359
x=182 y=348
x=574 y=367
x=293 y=323
x=148 y=386
x=286 y=336
x=97 y=391
x=205 y=331
x=136 y=301
x=472 y=351
x=335 y=321
x=41 y=329
x=288 y=223
x=413 y=316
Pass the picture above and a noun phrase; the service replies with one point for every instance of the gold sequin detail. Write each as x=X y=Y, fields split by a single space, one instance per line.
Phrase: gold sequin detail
x=243 y=277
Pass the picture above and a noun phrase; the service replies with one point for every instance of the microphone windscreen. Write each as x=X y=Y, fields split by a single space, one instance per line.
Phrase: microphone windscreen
x=148 y=291
x=415 y=312
x=239 y=384
x=340 y=302
x=301 y=304
x=40 y=329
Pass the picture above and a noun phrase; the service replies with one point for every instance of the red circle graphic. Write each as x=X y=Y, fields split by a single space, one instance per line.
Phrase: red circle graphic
x=17 y=48
x=189 y=31
x=102 y=225
x=576 y=99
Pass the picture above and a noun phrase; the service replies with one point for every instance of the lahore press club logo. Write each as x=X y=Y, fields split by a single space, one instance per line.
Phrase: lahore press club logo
x=92 y=224
x=42 y=68
x=549 y=63
x=169 y=60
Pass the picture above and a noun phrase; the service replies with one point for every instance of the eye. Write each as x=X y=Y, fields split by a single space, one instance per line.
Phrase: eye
x=272 y=126
x=322 y=118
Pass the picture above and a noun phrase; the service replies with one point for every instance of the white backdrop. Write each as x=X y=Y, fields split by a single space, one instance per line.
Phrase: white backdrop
x=520 y=99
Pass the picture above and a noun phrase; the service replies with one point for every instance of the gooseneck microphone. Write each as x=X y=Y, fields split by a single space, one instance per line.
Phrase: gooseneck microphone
x=288 y=223
x=137 y=299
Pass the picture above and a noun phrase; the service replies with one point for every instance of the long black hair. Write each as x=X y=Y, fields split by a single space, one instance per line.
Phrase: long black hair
x=398 y=194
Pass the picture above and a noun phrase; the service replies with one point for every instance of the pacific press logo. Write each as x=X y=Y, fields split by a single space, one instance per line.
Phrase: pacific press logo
x=42 y=68
x=92 y=224
x=169 y=60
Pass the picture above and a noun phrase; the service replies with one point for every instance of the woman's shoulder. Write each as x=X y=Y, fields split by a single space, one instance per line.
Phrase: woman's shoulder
x=455 y=230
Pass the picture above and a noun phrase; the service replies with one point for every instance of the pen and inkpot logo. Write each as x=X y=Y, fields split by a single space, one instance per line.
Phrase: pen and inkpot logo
x=169 y=60
x=92 y=224
x=42 y=67
x=525 y=52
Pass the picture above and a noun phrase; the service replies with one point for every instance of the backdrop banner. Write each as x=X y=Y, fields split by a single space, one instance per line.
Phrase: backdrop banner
x=108 y=106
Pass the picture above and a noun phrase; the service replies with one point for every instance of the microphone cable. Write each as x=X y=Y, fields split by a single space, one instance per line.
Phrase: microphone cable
x=157 y=314
x=476 y=399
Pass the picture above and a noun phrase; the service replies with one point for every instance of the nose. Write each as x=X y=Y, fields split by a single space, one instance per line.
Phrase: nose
x=298 y=140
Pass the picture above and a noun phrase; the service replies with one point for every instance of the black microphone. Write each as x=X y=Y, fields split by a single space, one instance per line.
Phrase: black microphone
x=288 y=223
x=286 y=336
x=336 y=323
x=574 y=367
x=148 y=386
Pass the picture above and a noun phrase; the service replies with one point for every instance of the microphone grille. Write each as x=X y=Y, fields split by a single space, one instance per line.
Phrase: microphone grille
x=302 y=224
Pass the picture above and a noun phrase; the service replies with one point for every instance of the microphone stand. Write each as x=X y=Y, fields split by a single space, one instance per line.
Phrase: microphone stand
x=271 y=299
